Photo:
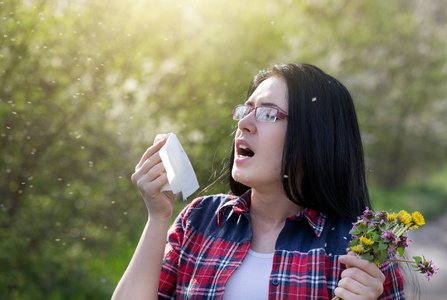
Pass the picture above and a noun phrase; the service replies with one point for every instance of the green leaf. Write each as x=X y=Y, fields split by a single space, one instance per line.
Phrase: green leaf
x=371 y=229
x=382 y=246
x=354 y=242
x=382 y=256
x=368 y=257
x=417 y=259
x=383 y=227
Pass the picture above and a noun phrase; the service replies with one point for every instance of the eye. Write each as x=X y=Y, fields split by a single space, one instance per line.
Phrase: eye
x=265 y=113
x=240 y=111
x=271 y=113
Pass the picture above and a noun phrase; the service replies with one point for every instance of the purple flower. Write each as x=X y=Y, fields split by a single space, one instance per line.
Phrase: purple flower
x=403 y=242
x=368 y=214
x=389 y=237
x=382 y=217
x=427 y=267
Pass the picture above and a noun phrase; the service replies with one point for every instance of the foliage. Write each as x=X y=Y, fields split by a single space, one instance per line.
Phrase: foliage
x=389 y=56
x=86 y=85
x=427 y=195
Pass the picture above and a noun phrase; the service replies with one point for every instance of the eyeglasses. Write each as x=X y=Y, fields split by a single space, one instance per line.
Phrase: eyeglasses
x=262 y=113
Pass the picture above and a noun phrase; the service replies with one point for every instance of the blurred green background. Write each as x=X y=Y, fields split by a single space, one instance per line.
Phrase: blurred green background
x=86 y=85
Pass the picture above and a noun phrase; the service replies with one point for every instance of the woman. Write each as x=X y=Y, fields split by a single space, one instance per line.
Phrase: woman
x=298 y=176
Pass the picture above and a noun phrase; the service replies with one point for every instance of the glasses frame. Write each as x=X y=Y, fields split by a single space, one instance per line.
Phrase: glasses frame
x=278 y=115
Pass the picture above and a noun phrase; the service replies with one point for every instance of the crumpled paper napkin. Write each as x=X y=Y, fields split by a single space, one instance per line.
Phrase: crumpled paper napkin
x=180 y=173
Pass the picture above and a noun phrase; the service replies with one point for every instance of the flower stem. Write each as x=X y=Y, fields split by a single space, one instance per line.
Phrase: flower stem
x=402 y=260
x=400 y=230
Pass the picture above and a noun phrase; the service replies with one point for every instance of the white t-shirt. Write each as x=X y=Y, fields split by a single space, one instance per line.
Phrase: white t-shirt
x=251 y=279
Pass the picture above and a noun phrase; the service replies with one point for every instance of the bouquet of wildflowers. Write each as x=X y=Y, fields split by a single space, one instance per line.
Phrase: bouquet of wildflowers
x=377 y=235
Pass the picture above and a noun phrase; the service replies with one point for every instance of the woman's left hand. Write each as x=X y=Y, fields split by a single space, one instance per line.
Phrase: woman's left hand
x=361 y=280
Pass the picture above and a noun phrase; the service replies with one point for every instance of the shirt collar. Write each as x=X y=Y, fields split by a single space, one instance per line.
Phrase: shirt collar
x=315 y=219
x=240 y=205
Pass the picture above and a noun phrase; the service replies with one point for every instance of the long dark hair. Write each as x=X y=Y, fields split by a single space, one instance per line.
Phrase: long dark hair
x=323 y=165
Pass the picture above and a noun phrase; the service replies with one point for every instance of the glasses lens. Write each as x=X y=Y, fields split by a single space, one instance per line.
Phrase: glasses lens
x=240 y=111
x=266 y=114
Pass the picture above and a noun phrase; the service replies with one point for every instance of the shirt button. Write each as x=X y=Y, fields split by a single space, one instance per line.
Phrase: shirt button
x=275 y=281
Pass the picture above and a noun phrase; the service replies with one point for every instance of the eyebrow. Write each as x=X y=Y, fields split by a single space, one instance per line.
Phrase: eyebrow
x=266 y=104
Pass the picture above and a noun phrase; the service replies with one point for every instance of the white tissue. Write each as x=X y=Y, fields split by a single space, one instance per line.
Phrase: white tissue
x=180 y=173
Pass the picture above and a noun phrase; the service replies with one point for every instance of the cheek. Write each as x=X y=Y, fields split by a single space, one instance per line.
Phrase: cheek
x=277 y=143
x=273 y=157
x=278 y=151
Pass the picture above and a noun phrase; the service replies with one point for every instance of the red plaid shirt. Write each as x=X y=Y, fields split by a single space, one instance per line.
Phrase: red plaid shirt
x=211 y=237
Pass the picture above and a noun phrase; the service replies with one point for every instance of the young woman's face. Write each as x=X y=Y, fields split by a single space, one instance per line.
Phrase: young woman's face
x=259 y=145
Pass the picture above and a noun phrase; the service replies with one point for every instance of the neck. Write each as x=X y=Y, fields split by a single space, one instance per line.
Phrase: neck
x=268 y=213
x=272 y=208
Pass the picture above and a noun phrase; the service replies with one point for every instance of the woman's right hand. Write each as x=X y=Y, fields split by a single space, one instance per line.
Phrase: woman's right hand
x=150 y=176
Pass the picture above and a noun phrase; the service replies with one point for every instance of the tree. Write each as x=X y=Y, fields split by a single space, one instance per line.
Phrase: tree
x=86 y=85
x=390 y=56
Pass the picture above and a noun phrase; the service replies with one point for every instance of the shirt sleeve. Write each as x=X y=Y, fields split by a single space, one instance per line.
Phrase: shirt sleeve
x=170 y=266
x=393 y=287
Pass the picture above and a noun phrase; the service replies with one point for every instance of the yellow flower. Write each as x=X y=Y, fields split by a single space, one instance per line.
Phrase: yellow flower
x=404 y=217
x=357 y=249
x=365 y=241
x=418 y=219
x=392 y=217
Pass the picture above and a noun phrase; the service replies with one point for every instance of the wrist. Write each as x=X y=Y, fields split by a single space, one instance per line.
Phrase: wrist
x=160 y=219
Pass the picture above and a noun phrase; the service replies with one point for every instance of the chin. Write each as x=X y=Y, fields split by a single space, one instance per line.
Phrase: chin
x=240 y=177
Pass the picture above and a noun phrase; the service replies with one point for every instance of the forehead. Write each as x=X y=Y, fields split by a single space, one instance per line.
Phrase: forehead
x=272 y=91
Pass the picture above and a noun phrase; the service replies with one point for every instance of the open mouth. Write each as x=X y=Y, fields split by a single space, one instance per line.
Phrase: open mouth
x=243 y=150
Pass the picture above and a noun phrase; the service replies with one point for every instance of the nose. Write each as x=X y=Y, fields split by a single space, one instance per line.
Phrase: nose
x=248 y=123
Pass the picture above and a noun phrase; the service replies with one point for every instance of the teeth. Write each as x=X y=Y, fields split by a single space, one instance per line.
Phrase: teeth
x=245 y=151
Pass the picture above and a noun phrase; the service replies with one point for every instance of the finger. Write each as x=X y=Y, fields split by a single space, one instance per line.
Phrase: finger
x=153 y=187
x=346 y=294
x=358 y=281
x=155 y=171
x=351 y=260
x=352 y=285
x=151 y=151
x=150 y=163
x=350 y=288
x=148 y=173
x=356 y=274
x=158 y=183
